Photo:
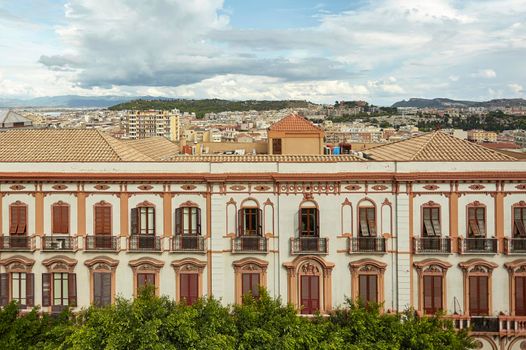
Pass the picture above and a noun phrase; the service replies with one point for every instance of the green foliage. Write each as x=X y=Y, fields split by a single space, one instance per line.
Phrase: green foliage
x=150 y=322
x=201 y=107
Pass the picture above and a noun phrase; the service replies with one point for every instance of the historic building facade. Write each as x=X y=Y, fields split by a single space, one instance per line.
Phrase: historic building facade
x=423 y=233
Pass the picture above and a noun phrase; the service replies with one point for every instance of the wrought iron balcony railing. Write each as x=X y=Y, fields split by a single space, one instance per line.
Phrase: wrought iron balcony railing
x=367 y=245
x=59 y=243
x=148 y=243
x=188 y=243
x=514 y=245
x=477 y=245
x=102 y=242
x=308 y=245
x=20 y=243
x=432 y=245
x=254 y=244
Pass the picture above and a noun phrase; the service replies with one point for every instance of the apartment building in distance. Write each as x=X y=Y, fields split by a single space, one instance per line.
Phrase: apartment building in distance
x=482 y=136
x=140 y=124
x=432 y=222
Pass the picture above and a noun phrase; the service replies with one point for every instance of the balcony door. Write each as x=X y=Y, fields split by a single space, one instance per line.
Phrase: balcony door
x=188 y=227
x=367 y=228
x=102 y=229
x=478 y=296
x=18 y=226
x=250 y=228
x=143 y=226
x=309 y=229
x=310 y=294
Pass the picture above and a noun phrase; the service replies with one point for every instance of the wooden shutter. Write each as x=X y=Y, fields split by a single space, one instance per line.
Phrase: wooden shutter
x=520 y=296
x=178 y=228
x=259 y=222
x=481 y=221
x=13 y=225
x=46 y=289
x=198 y=231
x=316 y=222
x=22 y=220
x=106 y=288
x=97 y=288
x=519 y=229
x=428 y=225
x=60 y=218
x=435 y=219
x=183 y=287
x=478 y=295
x=371 y=221
x=72 y=289
x=193 y=284
x=4 y=289
x=134 y=217
x=364 y=227
x=240 y=222
x=30 y=289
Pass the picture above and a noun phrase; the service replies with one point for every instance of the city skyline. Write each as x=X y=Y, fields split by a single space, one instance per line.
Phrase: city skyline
x=381 y=51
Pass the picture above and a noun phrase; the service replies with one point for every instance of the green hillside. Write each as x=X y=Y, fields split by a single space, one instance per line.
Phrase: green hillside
x=200 y=107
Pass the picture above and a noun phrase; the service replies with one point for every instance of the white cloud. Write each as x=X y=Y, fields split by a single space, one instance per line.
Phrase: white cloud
x=485 y=73
x=516 y=88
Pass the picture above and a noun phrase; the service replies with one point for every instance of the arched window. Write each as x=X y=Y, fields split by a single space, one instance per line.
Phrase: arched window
x=431 y=220
x=310 y=284
x=143 y=219
x=189 y=279
x=431 y=285
x=517 y=273
x=60 y=218
x=477 y=286
x=519 y=219
x=102 y=278
x=188 y=219
x=250 y=275
x=366 y=219
x=367 y=277
x=59 y=284
x=146 y=272
x=476 y=223
x=18 y=282
x=249 y=219
x=309 y=217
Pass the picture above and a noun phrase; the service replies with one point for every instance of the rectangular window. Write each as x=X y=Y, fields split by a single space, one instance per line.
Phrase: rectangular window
x=144 y=279
x=432 y=294
x=309 y=222
x=276 y=146
x=188 y=221
x=431 y=218
x=19 y=287
x=60 y=289
x=250 y=222
x=478 y=296
x=101 y=288
x=519 y=222
x=520 y=295
x=477 y=222
x=310 y=294
x=367 y=227
x=18 y=224
x=143 y=221
x=189 y=287
x=60 y=221
x=368 y=288
x=250 y=284
x=102 y=220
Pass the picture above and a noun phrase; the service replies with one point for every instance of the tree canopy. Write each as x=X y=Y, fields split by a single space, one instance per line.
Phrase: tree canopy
x=150 y=322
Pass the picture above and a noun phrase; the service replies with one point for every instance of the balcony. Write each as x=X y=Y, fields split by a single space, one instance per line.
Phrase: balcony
x=431 y=245
x=59 y=243
x=249 y=244
x=308 y=245
x=477 y=245
x=512 y=325
x=16 y=243
x=515 y=245
x=503 y=325
x=102 y=243
x=367 y=245
x=188 y=243
x=144 y=243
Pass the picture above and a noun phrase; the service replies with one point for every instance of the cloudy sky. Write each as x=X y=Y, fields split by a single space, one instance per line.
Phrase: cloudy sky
x=381 y=51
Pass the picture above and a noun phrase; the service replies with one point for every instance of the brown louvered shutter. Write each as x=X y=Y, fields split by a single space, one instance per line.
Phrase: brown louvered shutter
x=14 y=220
x=106 y=288
x=240 y=222
x=520 y=295
x=98 y=220
x=183 y=288
x=134 y=217
x=46 y=289
x=22 y=220
x=60 y=219
x=198 y=221
x=193 y=288
x=4 y=289
x=72 y=289
x=30 y=289
x=107 y=220
x=178 y=228
x=259 y=222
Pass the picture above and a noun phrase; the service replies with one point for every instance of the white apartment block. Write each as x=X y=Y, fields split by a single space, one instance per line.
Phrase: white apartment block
x=150 y=123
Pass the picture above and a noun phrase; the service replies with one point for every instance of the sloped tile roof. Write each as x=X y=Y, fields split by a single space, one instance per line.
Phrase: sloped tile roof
x=64 y=145
x=294 y=122
x=157 y=148
x=435 y=146
x=9 y=116
x=270 y=158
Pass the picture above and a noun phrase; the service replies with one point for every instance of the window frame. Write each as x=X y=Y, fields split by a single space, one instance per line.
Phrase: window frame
x=180 y=214
x=519 y=228
x=64 y=226
x=14 y=230
x=188 y=265
x=482 y=229
x=310 y=231
x=424 y=230
x=108 y=209
x=477 y=268
x=257 y=217
x=102 y=264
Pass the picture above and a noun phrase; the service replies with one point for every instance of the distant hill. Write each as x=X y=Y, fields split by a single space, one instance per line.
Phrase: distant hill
x=70 y=101
x=200 y=107
x=443 y=103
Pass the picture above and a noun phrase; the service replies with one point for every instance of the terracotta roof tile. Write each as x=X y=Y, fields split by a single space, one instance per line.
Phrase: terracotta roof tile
x=435 y=146
x=157 y=148
x=270 y=158
x=294 y=122
x=64 y=145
